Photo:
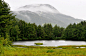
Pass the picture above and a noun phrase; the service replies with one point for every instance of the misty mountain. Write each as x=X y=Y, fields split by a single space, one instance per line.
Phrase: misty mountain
x=43 y=13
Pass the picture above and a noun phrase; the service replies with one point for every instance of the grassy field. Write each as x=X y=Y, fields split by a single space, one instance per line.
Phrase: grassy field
x=43 y=51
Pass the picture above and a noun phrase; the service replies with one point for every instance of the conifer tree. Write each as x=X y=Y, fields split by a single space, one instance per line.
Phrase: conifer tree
x=6 y=18
x=40 y=32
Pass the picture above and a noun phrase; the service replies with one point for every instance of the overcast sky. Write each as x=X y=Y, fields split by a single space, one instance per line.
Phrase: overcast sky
x=74 y=8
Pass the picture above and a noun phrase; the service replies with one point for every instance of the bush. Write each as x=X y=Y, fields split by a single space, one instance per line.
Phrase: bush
x=50 y=51
x=38 y=43
x=6 y=41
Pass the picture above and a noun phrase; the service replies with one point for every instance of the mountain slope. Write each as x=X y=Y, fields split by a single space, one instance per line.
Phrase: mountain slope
x=43 y=13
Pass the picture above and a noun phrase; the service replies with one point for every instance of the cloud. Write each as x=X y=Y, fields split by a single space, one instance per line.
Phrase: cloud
x=75 y=8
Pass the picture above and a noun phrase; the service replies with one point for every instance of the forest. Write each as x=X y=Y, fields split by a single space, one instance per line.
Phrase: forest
x=13 y=29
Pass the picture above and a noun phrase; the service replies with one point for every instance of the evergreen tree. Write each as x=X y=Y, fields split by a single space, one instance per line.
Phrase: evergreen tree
x=40 y=32
x=47 y=28
x=6 y=19
x=35 y=29
x=15 y=31
x=31 y=32
x=22 y=28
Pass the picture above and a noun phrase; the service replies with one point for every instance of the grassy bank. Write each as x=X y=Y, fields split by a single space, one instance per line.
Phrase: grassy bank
x=43 y=51
x=51 y=47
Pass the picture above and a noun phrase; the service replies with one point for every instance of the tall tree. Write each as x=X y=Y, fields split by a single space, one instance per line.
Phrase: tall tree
x=47 y=28
x=31 y=32
x=14 y=33
x=6 y=18
x=40 y=33
x=22 y=26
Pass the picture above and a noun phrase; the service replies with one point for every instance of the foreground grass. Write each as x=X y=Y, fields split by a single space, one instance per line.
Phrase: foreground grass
x=14 y=51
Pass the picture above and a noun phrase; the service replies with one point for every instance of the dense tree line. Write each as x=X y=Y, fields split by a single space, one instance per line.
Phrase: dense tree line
x=30 y=31
x=75 y=32
x=18 y=30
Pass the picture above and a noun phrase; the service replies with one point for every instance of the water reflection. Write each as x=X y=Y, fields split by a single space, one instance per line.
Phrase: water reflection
x=50 y=43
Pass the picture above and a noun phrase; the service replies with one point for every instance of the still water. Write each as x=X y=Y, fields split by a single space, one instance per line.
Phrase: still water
x=49 y=42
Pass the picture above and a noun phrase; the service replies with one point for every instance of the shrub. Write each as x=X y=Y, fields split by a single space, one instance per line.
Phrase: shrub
x=38 y=43
x=5 y=41
x=50 y=51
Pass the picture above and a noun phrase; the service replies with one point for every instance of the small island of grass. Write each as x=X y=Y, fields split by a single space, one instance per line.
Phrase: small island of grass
x=38 y=43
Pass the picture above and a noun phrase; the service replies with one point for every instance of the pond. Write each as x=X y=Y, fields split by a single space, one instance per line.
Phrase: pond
x=49 y=42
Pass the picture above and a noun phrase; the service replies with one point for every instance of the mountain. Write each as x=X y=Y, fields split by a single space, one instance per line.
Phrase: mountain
x=43 y=13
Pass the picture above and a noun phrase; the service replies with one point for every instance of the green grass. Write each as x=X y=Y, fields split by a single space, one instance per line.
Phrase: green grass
x=43 y=51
